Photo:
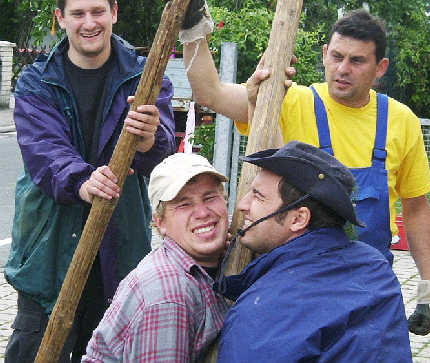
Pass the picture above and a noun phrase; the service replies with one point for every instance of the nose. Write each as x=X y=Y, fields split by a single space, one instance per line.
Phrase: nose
x=344 y=66
x=89 y=20
x=243 y=204
x=201 y=210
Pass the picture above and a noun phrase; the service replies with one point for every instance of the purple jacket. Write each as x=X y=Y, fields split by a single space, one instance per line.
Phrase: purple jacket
x=49 y=213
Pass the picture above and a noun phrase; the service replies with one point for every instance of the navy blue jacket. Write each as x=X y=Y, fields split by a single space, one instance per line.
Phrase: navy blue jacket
x=49 y=213
x=318 y=298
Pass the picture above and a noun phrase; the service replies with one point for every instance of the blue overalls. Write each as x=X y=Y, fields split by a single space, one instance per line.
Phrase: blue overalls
x=372 y=196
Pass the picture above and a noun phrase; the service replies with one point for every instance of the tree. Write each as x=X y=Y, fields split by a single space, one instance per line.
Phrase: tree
x=9 y=29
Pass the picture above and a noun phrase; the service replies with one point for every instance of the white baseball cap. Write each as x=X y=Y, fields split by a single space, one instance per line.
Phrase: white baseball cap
x=169 y=177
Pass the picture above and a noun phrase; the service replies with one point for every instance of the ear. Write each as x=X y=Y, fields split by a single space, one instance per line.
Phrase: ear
x=159 y=223
x=382 y=67
x=60 y=18
x=114 y=12
x=325 y=47
x=301 y=219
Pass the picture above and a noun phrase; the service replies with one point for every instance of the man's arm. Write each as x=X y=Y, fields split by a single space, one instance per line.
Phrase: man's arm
x=47 y=149
x=228 y=99
x=159 y=332
x=416 y=217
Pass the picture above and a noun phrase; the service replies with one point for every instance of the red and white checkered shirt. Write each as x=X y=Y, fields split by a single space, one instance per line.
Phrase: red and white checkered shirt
x=164 y=310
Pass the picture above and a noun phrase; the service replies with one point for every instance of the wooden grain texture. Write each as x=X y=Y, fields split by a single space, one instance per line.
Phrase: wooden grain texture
x=62 y=317
x=264 y=131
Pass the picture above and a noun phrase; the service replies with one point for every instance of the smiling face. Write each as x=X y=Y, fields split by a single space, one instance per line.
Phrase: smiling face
x=263 y=199
x=88 y=24
x=351 y=69
x=197 y=219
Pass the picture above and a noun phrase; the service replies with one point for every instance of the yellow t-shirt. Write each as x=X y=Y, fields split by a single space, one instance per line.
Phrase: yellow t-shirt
x=352 y=132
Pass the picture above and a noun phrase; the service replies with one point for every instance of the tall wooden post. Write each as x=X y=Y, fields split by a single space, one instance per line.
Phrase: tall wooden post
x=264 y=127
x=62 y=317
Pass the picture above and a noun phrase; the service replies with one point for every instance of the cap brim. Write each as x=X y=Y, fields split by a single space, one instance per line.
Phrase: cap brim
x=173 y=190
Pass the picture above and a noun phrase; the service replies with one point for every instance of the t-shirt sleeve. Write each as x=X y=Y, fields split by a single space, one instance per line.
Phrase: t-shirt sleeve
x=413 y=179
x=244 y=127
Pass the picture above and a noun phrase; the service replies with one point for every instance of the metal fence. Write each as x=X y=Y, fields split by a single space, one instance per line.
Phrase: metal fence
x=425 y=127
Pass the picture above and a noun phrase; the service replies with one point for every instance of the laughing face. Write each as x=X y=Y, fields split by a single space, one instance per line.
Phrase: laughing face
x=88 y=24
x=263 y=199
x=351 y=69
x=197 y=219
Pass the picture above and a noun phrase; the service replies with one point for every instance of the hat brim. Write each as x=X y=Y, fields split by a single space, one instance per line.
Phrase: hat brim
x=308 y=178
x=173 y=189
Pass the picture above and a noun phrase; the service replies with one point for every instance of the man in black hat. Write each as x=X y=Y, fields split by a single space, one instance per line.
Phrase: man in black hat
x=313 y=294
x=377 y=137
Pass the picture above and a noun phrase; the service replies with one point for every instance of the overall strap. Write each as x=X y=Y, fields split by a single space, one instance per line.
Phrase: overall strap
x=379 y=152
x=322 y=123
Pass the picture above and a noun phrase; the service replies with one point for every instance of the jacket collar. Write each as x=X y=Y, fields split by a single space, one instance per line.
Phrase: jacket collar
x=311 y=243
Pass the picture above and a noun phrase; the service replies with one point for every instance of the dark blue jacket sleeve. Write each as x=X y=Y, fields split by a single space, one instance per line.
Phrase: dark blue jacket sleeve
x=53 y=162
x=164 y=137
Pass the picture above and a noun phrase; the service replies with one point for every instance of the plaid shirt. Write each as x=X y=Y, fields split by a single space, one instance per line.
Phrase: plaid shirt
x=164 y=310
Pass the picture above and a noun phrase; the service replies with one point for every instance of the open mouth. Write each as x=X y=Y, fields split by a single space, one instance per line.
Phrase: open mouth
x=91 y=35
x=205 y=229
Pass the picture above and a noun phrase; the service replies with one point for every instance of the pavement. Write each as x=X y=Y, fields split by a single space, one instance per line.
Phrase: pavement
x=404 y=267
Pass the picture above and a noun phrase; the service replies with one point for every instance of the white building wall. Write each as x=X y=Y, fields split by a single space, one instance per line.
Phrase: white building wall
x=6 y=58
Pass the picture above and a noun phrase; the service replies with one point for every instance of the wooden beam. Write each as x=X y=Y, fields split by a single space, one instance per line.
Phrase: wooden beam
x=62 y=317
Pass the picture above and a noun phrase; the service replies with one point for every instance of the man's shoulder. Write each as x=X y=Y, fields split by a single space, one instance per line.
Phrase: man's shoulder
x=31 y=76
x=300 y=90
x=127 y=53
x=160 y=280
x=398 y=108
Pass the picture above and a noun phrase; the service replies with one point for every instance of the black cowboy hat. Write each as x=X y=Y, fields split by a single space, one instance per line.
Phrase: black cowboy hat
x=312 y=171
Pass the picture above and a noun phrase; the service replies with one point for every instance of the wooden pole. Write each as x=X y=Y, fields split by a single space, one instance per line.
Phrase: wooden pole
x=264 y=126
x=62 y=317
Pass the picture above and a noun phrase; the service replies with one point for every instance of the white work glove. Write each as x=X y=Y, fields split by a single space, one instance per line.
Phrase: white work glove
x=419 y=321
x=197 y=22
x=423 y=292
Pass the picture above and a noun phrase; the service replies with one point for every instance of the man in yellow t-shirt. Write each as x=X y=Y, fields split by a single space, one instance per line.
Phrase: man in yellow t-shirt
x=353 y=141
x=378 y=138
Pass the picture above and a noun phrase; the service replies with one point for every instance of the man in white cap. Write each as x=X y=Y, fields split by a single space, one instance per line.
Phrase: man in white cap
x=166 y=309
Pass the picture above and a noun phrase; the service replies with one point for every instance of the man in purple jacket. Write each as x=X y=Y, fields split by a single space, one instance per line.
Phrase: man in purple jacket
x=70 y=109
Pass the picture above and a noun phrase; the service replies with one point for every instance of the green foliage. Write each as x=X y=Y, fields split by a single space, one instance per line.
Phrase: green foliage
x=250 y=29
x=26 y=19
x=138 y=21
x=309 y=54
x=204 y=135
x=10 y=29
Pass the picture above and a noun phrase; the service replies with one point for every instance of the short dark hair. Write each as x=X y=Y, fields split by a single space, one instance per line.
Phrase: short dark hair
x=61 y=4
x=361 y=25
x=321 y=216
